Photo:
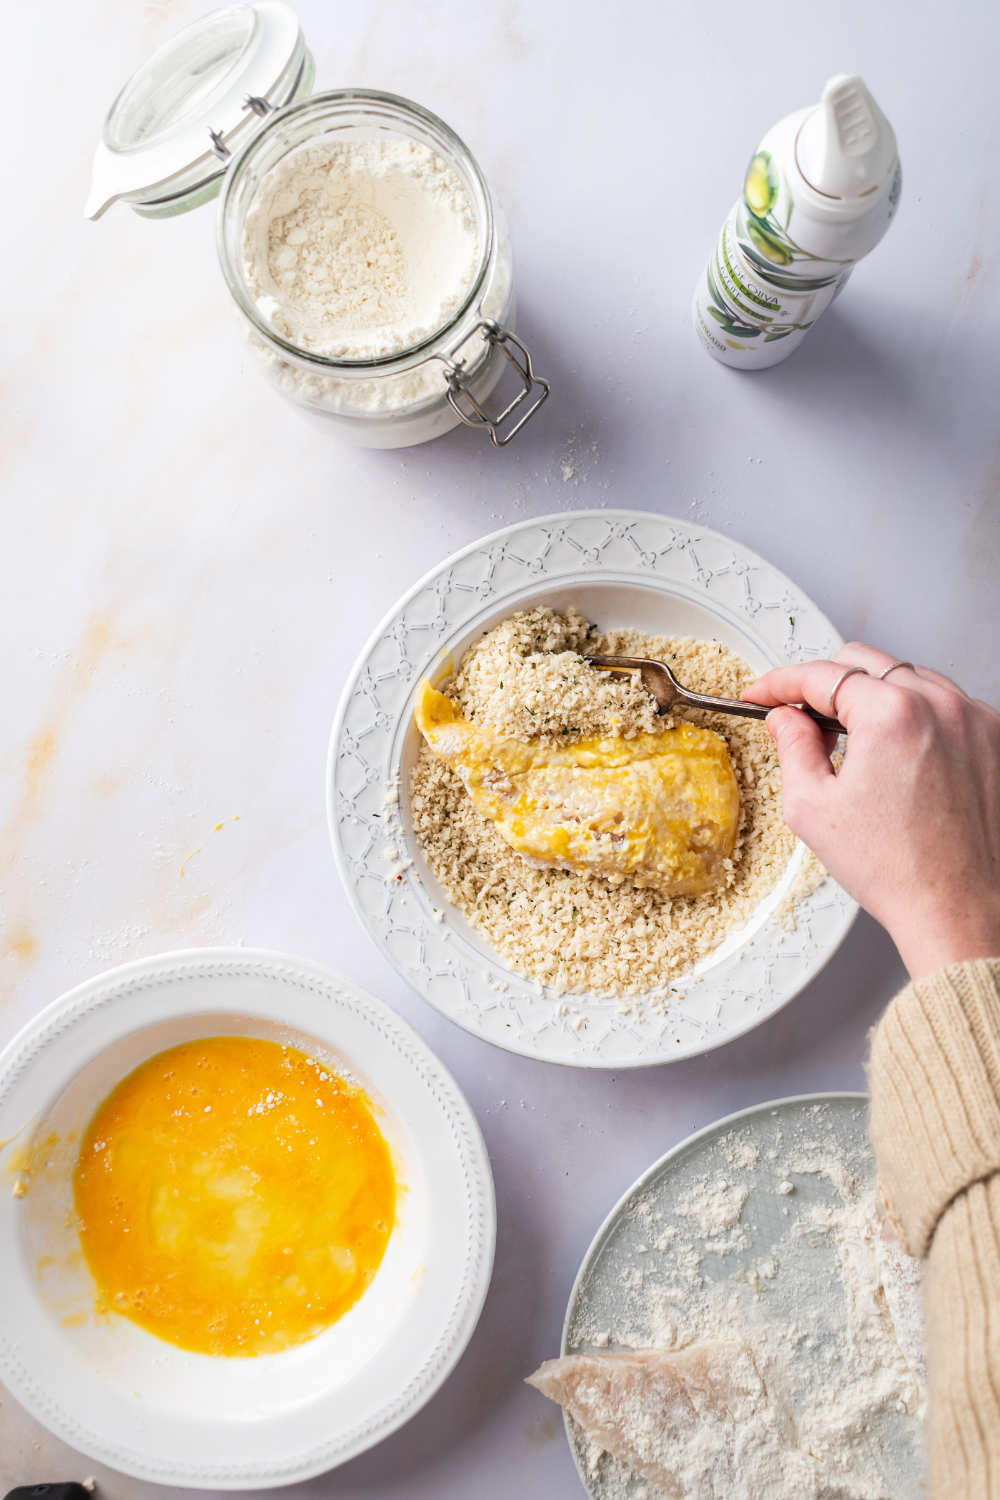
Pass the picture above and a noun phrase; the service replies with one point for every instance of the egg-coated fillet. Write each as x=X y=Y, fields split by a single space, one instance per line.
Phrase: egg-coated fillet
x=661 y=808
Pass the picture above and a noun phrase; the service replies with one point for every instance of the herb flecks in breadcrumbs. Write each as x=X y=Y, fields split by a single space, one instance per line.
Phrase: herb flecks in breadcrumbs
x=576 y=933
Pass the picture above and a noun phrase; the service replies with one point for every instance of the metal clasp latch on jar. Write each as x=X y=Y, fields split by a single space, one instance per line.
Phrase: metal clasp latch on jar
x=261 y=108
x=500 y=338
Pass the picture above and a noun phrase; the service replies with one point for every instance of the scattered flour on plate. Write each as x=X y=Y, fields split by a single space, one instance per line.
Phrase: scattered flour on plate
x=715 y=1206
x=829 y=1308
x=740 y=1151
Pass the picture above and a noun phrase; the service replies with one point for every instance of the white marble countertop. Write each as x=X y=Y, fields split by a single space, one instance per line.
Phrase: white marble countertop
x=188 y=570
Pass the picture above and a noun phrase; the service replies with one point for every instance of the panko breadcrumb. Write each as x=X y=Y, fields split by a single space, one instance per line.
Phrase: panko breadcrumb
x=576 y=933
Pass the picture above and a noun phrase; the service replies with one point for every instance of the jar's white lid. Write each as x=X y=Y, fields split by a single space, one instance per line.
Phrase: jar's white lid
x=173 y=123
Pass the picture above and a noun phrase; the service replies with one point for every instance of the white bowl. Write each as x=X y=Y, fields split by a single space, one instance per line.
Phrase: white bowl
x=113 y=1390
x=620 y=568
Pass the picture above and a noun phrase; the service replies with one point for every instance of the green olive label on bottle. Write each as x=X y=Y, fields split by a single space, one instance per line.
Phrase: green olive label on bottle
x=760 y=286
x=778 y=263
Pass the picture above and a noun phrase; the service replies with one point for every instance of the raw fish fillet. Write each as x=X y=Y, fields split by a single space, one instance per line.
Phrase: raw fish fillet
x=663 y=808
x=676 y=1419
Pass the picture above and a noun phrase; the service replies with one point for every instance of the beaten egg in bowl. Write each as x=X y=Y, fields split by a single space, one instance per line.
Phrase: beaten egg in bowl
x=233 y=1196
x=128 y=1395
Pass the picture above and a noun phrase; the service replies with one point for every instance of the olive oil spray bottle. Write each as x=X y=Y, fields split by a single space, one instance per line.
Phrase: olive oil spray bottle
x=819 y=194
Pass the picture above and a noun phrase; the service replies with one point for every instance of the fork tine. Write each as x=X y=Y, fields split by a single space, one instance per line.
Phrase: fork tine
x=611 y=662
x=614 y=661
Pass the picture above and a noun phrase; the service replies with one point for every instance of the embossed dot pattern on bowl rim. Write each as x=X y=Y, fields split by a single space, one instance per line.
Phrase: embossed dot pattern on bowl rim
x=80 y=1398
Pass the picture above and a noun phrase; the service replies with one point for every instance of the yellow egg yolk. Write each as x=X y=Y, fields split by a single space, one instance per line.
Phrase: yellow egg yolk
x=234 y=1196
x=661 y=808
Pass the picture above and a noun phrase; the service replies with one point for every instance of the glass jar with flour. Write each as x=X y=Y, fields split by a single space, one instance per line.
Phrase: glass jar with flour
x=367 y=259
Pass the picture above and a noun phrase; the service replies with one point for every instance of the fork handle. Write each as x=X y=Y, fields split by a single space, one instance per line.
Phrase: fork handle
x=753 y=710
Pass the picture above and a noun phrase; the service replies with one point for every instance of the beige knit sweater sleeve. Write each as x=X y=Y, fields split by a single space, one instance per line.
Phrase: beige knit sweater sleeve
x=935 y=1125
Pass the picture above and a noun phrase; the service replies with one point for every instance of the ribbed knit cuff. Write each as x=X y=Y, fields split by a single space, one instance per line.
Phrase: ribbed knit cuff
x=934 y=1075
x=961 y=1296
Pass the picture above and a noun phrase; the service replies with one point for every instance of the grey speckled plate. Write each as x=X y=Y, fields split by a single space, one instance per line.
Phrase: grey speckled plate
x=599 y=1298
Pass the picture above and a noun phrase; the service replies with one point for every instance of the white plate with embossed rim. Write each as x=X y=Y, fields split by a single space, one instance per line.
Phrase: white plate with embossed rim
x=137 y=1403
x=620 y=568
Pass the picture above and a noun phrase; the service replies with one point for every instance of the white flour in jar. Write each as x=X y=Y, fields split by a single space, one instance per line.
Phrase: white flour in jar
x=357 y=250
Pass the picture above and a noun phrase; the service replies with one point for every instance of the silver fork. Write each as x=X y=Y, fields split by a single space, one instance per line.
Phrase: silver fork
x=667 y=692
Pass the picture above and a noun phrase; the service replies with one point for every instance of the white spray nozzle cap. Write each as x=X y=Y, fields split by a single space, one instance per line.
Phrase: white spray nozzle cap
x=846 y=147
